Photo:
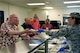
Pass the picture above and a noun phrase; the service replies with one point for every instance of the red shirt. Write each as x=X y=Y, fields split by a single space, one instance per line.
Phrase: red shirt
x=35 y=24
x=47 y=26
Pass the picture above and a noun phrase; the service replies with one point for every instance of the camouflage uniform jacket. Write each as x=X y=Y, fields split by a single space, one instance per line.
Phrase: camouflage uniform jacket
x=72 y=34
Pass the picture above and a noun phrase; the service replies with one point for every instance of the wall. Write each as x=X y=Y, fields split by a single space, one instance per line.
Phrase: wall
x=55 y=14
x=4 y=7
x=8 y=9
x=20 y=11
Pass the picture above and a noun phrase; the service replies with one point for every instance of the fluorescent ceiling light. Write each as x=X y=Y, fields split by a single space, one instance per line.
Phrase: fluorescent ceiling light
x=70 y=2
x=35 y=3
x=48 y=8
x=72 y=6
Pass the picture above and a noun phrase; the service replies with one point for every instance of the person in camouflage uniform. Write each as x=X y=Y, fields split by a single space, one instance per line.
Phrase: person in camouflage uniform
x=71 y=33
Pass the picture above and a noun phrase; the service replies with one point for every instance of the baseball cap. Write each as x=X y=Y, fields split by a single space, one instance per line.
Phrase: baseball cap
x=74 y=15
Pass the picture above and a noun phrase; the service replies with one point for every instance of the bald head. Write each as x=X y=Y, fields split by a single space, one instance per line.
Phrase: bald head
x=13 y=19
x=13 y=16
x=27 y=20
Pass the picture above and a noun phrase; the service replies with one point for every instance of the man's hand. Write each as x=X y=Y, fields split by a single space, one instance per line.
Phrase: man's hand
x=28 y=31
x=25 y=36
x=1 y=30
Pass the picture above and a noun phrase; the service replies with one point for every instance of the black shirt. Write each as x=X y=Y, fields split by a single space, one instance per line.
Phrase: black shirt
x=26 y=26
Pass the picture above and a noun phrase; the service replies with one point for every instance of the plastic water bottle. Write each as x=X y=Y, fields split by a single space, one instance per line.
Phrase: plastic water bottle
x=47 y=28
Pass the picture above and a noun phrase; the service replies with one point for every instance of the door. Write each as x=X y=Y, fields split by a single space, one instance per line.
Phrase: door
x=1 y=17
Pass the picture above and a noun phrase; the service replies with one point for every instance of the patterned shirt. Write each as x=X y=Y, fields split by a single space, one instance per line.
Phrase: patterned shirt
x=6 y=39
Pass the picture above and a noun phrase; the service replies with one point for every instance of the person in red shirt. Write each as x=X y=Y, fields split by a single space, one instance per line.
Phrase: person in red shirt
x=35 y=22
x=47 y=25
